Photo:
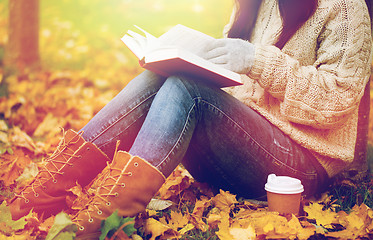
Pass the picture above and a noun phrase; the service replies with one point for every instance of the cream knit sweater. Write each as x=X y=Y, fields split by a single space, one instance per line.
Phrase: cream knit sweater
x=312 y=87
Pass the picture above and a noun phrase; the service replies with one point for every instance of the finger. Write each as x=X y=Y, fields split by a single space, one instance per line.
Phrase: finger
x=219 y=60
x=216 y=52
x=216 y=43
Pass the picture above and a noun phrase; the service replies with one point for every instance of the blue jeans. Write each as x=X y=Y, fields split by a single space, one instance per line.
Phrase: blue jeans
x=220 y=140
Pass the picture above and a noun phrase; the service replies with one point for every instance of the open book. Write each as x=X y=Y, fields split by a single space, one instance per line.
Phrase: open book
x=178 y=51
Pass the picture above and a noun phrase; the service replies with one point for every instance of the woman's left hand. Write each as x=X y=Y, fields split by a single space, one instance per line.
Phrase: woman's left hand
x=234 y=54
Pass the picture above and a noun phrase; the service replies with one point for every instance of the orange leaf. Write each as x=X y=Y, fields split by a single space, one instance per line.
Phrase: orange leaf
x=178 y=181
x=20 y=139
x=224 y=201
x=12 y=165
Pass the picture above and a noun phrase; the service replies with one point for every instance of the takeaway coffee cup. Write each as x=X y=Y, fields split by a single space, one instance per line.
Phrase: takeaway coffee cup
x=283 y=194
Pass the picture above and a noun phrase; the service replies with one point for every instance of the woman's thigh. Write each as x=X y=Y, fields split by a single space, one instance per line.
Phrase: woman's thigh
x=236 y=148
x=123 y=116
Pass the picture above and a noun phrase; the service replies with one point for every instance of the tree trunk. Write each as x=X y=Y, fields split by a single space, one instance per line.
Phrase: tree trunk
x=22 y=50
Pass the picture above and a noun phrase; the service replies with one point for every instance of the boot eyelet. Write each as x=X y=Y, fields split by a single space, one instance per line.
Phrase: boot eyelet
x=90 y=220
x=54 y=181
x=81 y=228
x=36 y=194
x=130 y=174
x=108 y=203
x=116 y=194
x=99 y=212
x=27 y=201
x=123 y=185
x=44 y=187
x=88 y=149
x=136 y=164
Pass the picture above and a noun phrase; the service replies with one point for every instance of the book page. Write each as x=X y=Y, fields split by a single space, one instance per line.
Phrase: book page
x=151 y=42
x=186 y=38
x=133 y=45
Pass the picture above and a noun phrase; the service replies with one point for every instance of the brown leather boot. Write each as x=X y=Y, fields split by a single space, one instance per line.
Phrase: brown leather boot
x=74 y=161
x=128 y=186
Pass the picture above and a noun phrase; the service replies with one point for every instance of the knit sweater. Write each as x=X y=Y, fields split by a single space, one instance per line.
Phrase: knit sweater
x=311 y=89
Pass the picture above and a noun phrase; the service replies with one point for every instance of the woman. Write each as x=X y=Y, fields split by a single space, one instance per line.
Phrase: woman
x=305 y=65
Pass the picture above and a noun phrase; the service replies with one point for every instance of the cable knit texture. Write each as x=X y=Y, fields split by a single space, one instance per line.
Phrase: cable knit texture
x=311 y=89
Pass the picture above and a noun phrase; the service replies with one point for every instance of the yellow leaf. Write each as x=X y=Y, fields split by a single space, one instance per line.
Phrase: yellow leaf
x=175 y=184
x=324 y=218
x=200 y=206
x=21 y=139
x=224 y=201
x=197 y=214
x=294 y=223
x=268 y=227
x=187 y=228
x=177 y=220
x=151 y=212
x=8 y=225
x=243 y=233
x=354 y=221
x=224 y=234
x=156 y=229
x=49 y=126
x=29 y=172
x=4 y=137
x=3 y=126
x=213 y=219
x=224 y=225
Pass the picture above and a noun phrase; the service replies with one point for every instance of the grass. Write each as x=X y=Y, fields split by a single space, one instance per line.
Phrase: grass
x=346 y=193
x=197 y=234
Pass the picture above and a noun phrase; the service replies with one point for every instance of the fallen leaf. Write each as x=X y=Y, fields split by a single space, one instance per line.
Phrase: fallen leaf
x=63 y=228
x=177 y=220
x=186 y=229
x=20 y=138
x=178 y=181
x=224 y=225
x=243 y=233
x=158 y=204
x=116 y=223
x=224 y=201
x=12 y=166
x=8 y=225
x=197 y=215
x=158 y=229
x=29 y=172
x=322 y=217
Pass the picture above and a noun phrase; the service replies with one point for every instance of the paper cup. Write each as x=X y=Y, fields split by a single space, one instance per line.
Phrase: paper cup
x=283 y=194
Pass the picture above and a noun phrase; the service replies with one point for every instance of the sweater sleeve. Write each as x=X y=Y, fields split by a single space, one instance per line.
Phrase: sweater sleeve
x=323 y=94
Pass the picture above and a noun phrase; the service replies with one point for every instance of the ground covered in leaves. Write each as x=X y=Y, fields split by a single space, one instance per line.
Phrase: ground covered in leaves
x=38 y=103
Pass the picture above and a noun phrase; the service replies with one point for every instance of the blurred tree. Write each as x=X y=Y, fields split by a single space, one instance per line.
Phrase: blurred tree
x=22 y=50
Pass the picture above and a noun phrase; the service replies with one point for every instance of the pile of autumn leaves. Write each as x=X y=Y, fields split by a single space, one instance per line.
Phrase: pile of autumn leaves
x=38 y=103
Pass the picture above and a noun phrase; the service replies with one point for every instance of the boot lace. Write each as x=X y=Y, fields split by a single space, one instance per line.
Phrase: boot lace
x=52 y=166
x=106 y=190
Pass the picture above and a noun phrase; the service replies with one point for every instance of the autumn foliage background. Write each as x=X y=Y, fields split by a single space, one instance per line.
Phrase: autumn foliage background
x=84 y=65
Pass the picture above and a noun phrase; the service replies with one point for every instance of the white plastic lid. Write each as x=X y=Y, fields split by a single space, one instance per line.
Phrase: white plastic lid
x=283 y=185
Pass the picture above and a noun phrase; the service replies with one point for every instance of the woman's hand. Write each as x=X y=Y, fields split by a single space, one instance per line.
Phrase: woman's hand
x=234 y=54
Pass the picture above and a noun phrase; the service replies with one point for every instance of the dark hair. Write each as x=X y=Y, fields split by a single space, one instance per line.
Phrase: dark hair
x=294 y=14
